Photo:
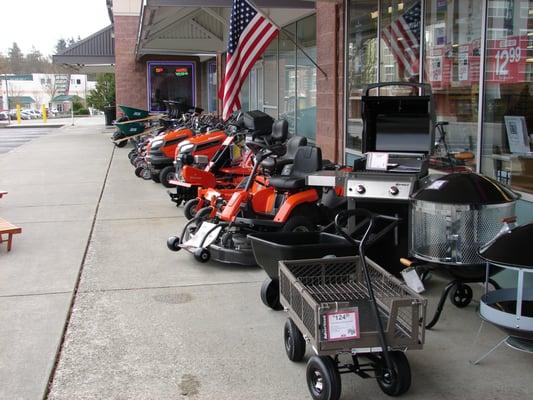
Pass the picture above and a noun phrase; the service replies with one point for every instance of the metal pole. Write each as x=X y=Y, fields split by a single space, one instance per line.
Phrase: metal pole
x=72 y=112
x=7 y=101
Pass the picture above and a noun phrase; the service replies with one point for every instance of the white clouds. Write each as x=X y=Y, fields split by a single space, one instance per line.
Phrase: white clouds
x=42 y=23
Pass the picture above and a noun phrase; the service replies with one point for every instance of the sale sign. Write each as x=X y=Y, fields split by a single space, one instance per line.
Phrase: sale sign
x=506 y=59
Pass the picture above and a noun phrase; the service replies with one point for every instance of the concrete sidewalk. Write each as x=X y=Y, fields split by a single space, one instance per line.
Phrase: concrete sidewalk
x=150 y=324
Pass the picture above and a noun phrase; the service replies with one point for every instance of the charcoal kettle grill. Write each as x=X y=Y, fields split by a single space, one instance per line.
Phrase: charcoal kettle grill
x=510 y=308
x=451 y=218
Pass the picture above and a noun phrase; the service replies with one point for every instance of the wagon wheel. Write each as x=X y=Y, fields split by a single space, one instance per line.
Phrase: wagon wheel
x=461 y=296
x=294 y=341
x=323 y=378
x=397 y=381
x=270 y=294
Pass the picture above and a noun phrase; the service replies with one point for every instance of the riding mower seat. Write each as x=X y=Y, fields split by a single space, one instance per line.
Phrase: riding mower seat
x=308 y=159
x=276 y=164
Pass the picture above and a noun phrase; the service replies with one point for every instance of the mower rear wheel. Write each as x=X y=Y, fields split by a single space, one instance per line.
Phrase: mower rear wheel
x=166 y=175
x=190 y=208
x=202 y=255
x=270 y=294
x=155 y=177
x=173 y=243
x=298 y=223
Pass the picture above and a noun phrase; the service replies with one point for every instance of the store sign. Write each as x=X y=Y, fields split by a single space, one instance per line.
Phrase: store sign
x=159 y=70
x=182 y=72
x=26 y=77
x=506 y=59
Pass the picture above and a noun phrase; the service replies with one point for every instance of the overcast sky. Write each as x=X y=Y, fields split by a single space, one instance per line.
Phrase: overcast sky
x=42 y=23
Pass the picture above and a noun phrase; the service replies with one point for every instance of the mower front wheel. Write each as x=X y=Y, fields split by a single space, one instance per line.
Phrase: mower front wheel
x=173 y=243
x=166 y=175
x=138 y=171
x=202 y=255
x=155 y=177
x=190 y=208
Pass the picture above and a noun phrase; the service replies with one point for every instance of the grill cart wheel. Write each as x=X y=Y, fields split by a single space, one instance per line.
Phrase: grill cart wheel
x=294 y=341
x=461 y=296
x=323 y=378
x=397 y=381
x=189 y=209
x=155 y=177
x=167 y=174
x=173 y=243
x=270 y=294
x=138 y=171
x=202 y=255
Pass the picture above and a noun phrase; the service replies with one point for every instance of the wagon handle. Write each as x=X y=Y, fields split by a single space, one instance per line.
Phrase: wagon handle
x=362 y=245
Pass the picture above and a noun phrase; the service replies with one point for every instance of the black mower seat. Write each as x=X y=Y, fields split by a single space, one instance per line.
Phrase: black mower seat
x=276 y=164
x=308 y=159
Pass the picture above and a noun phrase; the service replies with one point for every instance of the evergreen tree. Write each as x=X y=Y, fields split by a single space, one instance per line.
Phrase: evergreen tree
x=104 y=93
x=61 y=46
x=16 y=59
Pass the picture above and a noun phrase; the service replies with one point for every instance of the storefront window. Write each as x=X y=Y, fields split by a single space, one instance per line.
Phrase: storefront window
x=508 y=122
x=170 y=81
x=306 y=78
x=362 y=57
x=270 y=65
x=287 y=77
x=212 y=96
x=452 y=65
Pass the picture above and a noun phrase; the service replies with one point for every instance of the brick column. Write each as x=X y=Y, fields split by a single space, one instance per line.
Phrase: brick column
x=130 y=75
x=330 y=89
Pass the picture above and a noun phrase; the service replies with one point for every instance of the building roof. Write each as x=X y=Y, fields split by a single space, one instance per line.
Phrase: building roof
x=22 y=99
x=97 y=49
x=62 y=98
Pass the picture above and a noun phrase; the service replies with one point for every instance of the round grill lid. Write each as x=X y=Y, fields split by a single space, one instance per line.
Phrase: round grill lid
x=465 y=188
x=511 y=248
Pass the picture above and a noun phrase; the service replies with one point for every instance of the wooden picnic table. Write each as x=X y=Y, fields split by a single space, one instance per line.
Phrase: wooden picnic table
x=7 y=228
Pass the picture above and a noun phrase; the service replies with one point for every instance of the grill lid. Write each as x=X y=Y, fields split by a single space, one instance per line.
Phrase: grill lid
x=511 y=248
x=465 y=188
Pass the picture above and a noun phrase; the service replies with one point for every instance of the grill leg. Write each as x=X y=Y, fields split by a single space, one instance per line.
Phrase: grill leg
x=489 y=352
x=440 y=306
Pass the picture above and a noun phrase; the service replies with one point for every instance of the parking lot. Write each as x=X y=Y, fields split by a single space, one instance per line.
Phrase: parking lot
x=95 y=306
x=12 y=138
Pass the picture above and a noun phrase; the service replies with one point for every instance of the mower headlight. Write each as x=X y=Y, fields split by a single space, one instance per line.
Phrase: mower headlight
x=186 y=148
x=157 y=144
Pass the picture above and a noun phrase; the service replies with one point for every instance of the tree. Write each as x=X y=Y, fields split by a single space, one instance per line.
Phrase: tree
x=104 y=93
x=61 y=46
x=35 y=62
x=16 y=59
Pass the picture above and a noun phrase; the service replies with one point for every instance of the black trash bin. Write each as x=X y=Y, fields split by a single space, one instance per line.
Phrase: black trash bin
x=110 y=113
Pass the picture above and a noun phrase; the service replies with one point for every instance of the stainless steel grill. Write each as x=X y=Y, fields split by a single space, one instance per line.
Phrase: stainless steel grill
x=453 y=234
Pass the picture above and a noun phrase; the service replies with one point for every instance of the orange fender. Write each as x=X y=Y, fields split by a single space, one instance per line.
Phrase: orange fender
x=293 y=201
x=234 y=206
x=198 y=177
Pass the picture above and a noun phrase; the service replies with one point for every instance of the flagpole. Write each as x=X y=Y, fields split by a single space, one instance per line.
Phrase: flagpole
x=290 y=37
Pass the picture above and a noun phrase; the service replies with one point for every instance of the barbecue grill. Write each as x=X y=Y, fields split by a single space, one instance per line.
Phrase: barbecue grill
x=510 y=309
x=451 y=218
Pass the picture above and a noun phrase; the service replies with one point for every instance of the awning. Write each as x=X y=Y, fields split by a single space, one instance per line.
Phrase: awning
x=187 y=27
x=21 y=100
x=95 y=53
x=64 y=97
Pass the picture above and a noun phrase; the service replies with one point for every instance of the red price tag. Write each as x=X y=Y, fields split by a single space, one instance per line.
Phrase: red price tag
x=507 y=59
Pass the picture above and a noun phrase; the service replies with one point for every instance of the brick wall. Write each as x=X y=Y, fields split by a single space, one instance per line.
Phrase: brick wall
x=130 y=75
x=330 y=88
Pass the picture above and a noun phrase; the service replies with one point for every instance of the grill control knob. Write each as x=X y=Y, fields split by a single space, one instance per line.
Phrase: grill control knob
x=360 y=189
x=394 y=190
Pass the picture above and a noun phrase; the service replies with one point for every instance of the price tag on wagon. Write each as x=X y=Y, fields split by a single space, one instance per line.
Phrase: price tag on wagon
x=343 y=325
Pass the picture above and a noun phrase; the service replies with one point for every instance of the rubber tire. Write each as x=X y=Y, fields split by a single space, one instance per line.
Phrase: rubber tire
x=294 y=341
x=173 y=243
x=202 y=255
x=270 y=294
x=402 y=371
x=121 y=144
x=138 y=171
x=189 y=208
x=155 y=177
x=165 y=176
x=331 y=379
x=297 y=222
x=461 y=295
x=146 y=174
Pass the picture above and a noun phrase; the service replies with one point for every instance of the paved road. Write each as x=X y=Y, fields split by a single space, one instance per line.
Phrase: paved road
x=11 y=138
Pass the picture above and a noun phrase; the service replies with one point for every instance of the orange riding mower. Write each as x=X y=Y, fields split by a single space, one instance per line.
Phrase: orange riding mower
x=280 y=203
x=160 y=152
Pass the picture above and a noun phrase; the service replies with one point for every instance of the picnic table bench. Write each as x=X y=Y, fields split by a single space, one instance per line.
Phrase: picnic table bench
x=2 y=193
x=7 y=228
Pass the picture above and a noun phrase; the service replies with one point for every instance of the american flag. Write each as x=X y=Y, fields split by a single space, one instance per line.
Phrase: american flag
x=403 y=40
x=249 y=36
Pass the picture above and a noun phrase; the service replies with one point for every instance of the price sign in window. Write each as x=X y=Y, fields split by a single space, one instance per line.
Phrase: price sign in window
x=342 y=325
x=506 y=60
